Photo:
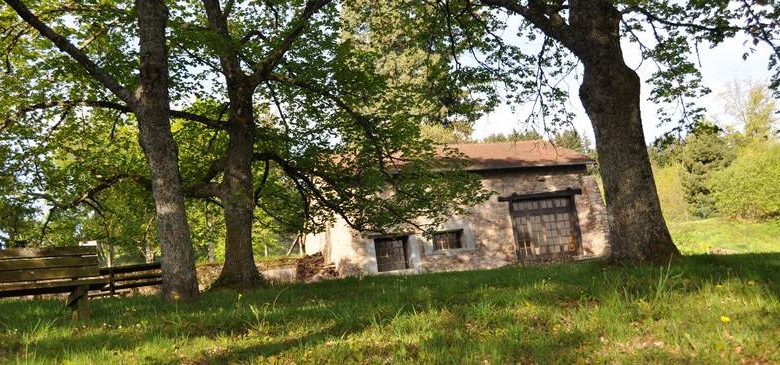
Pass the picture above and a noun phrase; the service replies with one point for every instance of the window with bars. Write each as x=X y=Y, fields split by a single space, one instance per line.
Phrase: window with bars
x=448 y=240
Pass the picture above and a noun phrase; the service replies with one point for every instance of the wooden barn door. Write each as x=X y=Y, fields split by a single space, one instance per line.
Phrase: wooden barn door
x=392 y=253
x=545 y=228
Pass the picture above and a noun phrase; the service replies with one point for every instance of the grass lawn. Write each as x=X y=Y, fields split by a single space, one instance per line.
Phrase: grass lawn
x=700 y=236
x=702 y=309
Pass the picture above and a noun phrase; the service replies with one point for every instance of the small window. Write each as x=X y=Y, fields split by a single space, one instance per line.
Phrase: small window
x=448 y=240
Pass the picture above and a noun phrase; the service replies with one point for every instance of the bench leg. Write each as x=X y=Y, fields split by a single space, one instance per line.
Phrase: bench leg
x=77 y=301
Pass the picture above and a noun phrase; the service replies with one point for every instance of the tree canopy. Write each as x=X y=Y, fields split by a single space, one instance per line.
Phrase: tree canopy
x=308 y=123
x=287 y=114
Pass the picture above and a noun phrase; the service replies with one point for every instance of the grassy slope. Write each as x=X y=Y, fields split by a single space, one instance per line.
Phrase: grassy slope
x=699 y=236
x=555 y=314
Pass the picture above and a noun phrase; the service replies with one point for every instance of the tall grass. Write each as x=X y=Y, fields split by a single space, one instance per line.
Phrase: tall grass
x=569 y=313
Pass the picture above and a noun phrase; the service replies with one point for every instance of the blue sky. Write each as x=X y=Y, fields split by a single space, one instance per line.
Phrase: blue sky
x=720 y=66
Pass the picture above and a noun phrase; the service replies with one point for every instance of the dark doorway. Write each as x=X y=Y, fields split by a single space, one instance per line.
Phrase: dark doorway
x=545 y=228
x=392 y=253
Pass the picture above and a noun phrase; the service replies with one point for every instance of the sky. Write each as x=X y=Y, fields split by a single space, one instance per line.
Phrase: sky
x=720 y=66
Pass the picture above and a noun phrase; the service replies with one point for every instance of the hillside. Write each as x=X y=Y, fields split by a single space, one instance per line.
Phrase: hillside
x=702 y=309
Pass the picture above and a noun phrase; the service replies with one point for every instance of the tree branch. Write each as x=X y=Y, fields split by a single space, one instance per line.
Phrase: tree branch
x=544 y=16
x=205 y=188
x=218 y=23
x=263 y=68
x=211 y=123
x=757 y=33
x=263 y=181
x=65 y=46
x=362 y=120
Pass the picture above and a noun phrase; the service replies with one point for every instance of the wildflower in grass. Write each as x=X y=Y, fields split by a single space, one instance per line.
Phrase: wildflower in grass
x=725 y=319
x=718 y=286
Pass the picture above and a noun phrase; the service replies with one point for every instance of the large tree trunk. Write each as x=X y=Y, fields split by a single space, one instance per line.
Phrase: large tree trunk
x=610 y=93
x=239 y=271
x=152 y=111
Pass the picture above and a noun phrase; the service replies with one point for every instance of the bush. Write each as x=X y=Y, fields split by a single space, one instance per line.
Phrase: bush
x=670 y=192
x=750 y=187
x=702 y=156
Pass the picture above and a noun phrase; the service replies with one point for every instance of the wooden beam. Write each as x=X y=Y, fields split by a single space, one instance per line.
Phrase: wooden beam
x=48 y=274
x=17 y=253
x=138 y=285
x=544 y=195
x=117 y=279
x=49 y=287
x=388 y=235
x=48 y=262
x=129 y=268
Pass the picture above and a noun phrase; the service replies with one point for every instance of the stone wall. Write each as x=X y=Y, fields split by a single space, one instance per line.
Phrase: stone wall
x=488 y=237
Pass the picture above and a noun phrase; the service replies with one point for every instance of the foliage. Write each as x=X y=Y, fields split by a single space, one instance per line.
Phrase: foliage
x=703 y=154
x=707 y=149
x=406 y=43
x=748 y=188
x=17 y=213
x=665 y=150
x=684 y=26
x=755 y=109
x=670 y=193
x=573 y=140
x=332 y=94
x=534 y=314
x=441 y=134
x=526 y=135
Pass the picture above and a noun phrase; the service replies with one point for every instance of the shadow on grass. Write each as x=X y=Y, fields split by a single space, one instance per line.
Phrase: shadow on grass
x=759 y=267
x=490 y=315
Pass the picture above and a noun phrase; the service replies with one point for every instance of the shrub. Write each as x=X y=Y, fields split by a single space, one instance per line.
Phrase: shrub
x=750 y=187
x=670 y=192
x=703 y=155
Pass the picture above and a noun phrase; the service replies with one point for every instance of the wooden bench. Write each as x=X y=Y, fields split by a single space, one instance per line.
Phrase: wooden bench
x=74 y=270
x=33 y=271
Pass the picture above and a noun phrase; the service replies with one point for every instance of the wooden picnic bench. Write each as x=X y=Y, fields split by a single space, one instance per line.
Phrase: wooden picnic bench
x=74 y=270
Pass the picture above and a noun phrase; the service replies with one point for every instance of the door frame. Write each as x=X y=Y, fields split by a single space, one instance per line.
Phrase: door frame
x=404 y=238
x=568 y=194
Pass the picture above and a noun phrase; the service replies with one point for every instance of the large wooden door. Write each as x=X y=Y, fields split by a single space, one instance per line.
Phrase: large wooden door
x=392 y=253
x=545 y=228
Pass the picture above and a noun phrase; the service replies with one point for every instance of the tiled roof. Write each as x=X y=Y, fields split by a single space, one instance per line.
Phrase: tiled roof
x=503 y=155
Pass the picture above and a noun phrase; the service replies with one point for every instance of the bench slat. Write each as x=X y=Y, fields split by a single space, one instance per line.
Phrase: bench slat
x=50 y=287
x=129 y=268
x=47 y=274
x=16 y=253
x=117 y=279
x=48 y=263
x=136 y=285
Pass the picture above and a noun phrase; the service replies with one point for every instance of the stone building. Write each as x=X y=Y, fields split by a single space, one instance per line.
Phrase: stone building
x=545 y=207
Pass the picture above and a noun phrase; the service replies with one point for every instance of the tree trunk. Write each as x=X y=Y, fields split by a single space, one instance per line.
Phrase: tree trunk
x=211 y=245
x=610 y=93
x=152 y=111
x=212 y=252
x=148 y=253
x=239 y=271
